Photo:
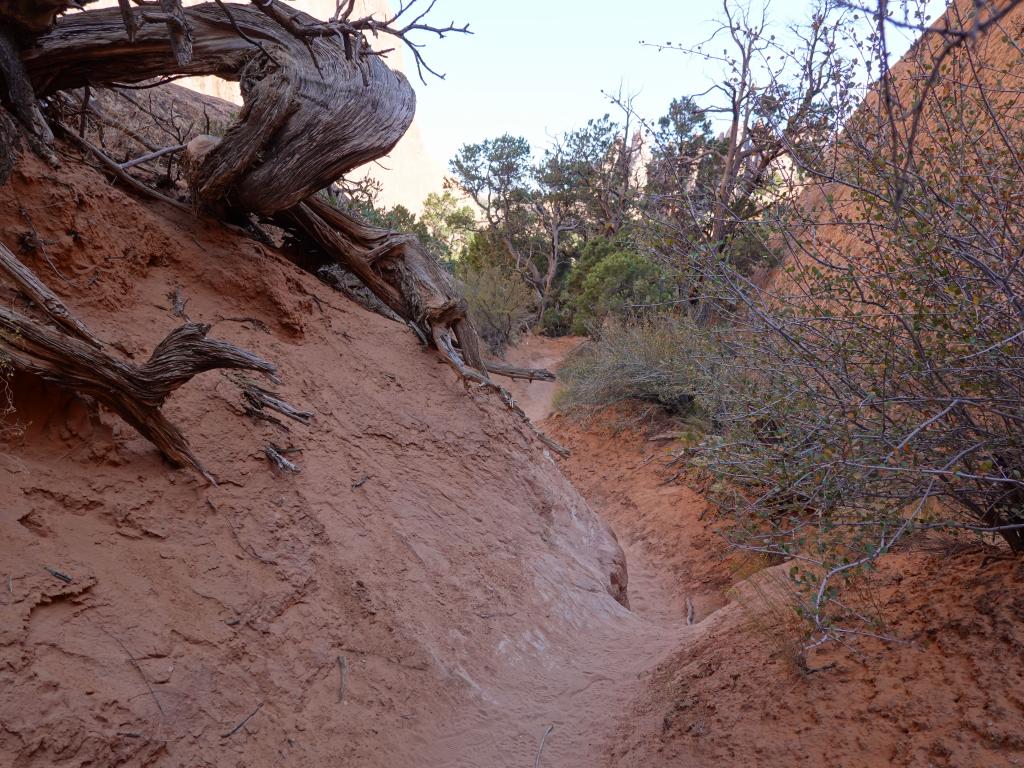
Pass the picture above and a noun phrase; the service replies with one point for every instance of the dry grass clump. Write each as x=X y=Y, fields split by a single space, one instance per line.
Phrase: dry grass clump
x=644 y=361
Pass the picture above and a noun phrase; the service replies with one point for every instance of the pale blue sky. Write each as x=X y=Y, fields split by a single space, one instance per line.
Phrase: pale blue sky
x=537 y=67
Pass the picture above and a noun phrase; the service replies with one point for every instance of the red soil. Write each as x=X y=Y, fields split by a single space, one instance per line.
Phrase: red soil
x=949 y=693
x=430 y=543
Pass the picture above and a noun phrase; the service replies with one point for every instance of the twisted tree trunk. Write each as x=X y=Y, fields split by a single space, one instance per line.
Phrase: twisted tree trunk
x=318 y=102
x=313 y=110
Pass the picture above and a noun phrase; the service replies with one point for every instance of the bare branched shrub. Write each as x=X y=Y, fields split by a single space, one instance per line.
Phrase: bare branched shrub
x=500 y=305
x=8 y=427
x=876 y=387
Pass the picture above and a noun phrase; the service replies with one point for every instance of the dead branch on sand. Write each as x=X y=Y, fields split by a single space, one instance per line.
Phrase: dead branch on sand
x=71 y=356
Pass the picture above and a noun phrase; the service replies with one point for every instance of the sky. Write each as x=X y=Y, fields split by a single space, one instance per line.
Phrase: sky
x=537 y=68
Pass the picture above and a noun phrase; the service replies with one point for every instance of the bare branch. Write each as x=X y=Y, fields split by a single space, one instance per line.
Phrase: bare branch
x=343 y=26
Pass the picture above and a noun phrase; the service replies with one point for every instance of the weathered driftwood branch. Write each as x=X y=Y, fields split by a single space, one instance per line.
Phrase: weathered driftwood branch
x=134 y=393
x=43 y=297
x=70 y=356
x=258 y=400
x=515 y=372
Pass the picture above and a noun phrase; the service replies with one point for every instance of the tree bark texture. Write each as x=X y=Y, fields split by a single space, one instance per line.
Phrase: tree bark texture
x=312 y=111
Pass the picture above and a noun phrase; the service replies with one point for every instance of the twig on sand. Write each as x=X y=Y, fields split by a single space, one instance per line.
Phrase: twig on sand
x=61 y=576
x=277 y=458
x=540 y=749
x=343 y=668
x=151 y=156
x=239 y=727
x=689 y=611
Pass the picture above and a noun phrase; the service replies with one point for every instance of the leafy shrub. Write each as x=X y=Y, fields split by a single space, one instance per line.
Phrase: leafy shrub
x=557 y=319
x=623 y=284
x=609 y=279
x=484 y=249
x=500 y=305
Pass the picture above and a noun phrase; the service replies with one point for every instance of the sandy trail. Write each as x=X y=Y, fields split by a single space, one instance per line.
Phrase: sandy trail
x=586 y=682
x=653 y=593
x=643 y=688
x=537 y=398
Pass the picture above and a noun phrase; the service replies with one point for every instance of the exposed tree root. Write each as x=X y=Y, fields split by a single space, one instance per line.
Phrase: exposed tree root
x=415 y=287
x=70 y=356
x=277 y=458
x=346 y=283
x=396 y=268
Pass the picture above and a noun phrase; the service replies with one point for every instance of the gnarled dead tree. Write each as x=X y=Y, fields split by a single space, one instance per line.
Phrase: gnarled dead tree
x=318 y=102
x=309 y=115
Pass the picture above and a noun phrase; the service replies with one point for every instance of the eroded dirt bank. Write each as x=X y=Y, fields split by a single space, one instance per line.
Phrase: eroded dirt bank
x=431 y=590
x=732 y=693
x=430 y=553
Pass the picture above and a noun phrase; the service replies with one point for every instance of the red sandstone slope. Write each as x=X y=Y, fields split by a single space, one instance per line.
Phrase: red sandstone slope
x=430 y=542
x=679 y=566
